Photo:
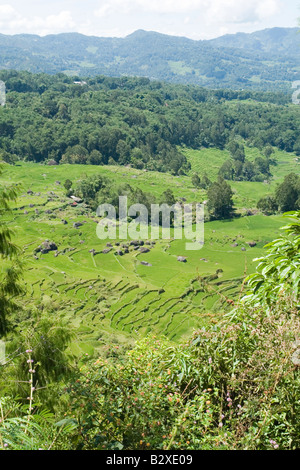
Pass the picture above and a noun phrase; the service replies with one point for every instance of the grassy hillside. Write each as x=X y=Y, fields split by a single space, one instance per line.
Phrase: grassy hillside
x=247 y=193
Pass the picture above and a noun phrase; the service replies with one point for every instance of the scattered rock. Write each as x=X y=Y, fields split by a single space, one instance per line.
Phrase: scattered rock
x=77 y=224
x=46 y=246
x=144 y=263
x=181 y=259
x=235 y=245
x=76 y=199
x=252 y=244
x=107 y=250
x=243 y=249
x=134 y=243
x=143 y=249
x=64 y=222
x=119 y=253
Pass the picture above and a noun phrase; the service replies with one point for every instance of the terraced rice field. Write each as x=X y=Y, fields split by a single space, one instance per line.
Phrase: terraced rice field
x=118 y=297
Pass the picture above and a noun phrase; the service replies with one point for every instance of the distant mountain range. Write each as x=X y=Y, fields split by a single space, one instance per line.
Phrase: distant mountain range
x=265 y=60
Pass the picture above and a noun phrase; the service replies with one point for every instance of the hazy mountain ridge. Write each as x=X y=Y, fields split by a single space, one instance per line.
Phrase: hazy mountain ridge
x=266 y=59
x=278 y=41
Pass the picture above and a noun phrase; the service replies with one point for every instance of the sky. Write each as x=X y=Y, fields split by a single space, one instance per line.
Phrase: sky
x=195 y=19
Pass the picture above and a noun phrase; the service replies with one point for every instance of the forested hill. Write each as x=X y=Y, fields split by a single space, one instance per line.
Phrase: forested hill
x=103 y=120
x=266 y=60
x=278 y=41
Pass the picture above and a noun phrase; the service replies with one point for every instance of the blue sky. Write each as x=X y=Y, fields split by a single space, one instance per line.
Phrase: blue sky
x=196 y=19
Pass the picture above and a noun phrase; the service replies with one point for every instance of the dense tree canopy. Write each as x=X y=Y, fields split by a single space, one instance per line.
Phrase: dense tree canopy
x=138 y=122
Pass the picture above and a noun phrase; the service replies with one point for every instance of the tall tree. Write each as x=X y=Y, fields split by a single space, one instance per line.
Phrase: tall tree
x=196 y=181
x=10 y=269
x=288 y=193
x=220 y=203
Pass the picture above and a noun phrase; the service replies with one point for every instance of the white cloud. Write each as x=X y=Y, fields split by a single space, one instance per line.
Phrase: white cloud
x=7 y=12
x=228 y=10
x=154 y=6
x=233 y=11
x=192 y=18
x=103 y=11
x=267 y=8
x=12 y=22
x=171 y=6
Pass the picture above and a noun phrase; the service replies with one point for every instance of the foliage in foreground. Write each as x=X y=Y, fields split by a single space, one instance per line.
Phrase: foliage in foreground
x=19 y=430
x=278 y=273
x=234 y=385
x=10 y=268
